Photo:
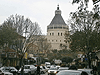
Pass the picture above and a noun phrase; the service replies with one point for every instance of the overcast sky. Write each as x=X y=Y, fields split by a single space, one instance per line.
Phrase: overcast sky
x=40 y=11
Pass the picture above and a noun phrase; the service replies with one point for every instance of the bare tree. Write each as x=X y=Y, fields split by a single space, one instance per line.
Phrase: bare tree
x=22 y=25
x=26 y=29
x=43 y=44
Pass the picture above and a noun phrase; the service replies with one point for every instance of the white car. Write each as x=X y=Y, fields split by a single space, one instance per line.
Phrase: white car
x=42 y=70
x=5 y=73
x=47 y=64
x=63 y=68
x=52 y=70
x=89 y=71
x=58 y=66
x=52 y=66
x=71 y=72
x=46 y=68
x=10 y=69
x=28 y=69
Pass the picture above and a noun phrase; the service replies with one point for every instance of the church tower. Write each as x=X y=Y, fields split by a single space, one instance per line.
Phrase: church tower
x=56 y=30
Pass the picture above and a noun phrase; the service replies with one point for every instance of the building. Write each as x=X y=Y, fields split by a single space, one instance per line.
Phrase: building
x=56 y=30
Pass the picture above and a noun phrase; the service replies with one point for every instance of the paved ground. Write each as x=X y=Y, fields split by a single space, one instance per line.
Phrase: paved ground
x=45 y=74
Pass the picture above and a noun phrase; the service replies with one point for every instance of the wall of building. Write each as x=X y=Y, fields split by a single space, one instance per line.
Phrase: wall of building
x=56 y=37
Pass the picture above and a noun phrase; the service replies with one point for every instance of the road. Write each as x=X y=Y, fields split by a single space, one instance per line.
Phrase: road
x=45 y=74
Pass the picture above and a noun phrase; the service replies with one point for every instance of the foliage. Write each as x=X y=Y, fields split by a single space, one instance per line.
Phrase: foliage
x=81 y=43
x=78 y=41
x=84 y=30
x=61 y=54
x=7 y=35
x=67 y=59
x=54 y=51
x=85 y=1
x=24 y=28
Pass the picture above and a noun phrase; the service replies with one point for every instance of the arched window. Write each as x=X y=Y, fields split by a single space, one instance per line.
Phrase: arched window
x=58 y=34
x=50 y=33
x=60 y=40
x=61 y=34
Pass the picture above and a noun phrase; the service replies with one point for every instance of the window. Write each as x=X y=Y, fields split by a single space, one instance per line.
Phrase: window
x=60 y=27
x=61 y=34
x=58 y=34
x=60 y=44
x=60 y=40
x=50 y=33
x=50 y=27
x=55 y=27
x=56 y=40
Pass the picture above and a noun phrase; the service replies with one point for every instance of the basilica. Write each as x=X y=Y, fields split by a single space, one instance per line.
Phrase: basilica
x=56 y=30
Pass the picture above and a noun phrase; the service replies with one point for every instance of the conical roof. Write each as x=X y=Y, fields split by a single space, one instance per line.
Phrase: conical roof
x=57 y=20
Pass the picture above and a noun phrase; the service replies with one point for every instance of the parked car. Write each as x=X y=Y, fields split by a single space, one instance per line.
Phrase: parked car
x=52 y=66
x=46 y=68
x=53 y=71
x=28 y=69
x=63 y=68
x=89 y=71
x=47 y=64
x=35 y=65
x=42 y=70
x=58 y=66
x=5 y=73
x=10 y=69
x=71 y=72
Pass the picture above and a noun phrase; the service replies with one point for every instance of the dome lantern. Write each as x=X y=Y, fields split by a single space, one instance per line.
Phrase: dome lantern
x=58 y=11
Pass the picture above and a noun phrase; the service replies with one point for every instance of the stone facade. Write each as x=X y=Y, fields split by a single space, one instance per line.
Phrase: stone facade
x=56 y=30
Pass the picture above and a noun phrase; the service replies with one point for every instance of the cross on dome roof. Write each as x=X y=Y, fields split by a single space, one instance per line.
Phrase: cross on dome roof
x=58 y=7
